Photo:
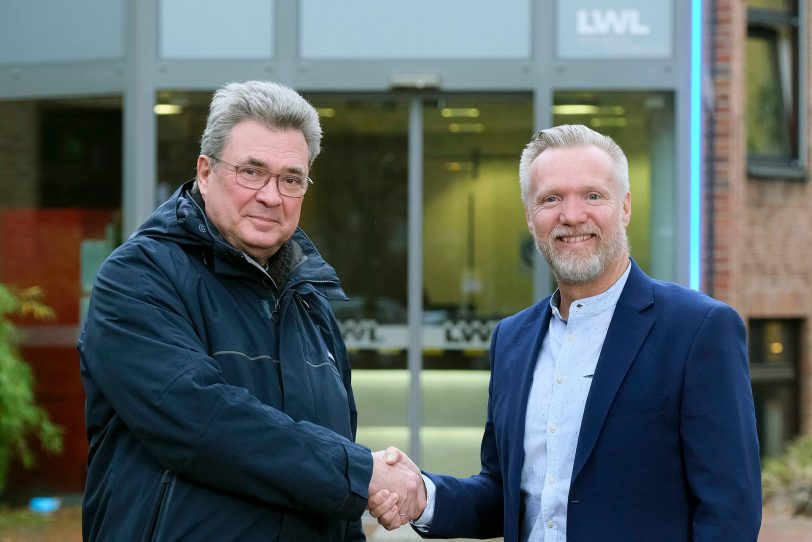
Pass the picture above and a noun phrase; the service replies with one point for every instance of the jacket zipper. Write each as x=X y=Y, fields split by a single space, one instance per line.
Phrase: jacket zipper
x=167 y=485
x=275 y=314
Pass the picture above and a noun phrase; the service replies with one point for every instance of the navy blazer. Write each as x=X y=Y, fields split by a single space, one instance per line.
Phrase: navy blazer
x=667 y=449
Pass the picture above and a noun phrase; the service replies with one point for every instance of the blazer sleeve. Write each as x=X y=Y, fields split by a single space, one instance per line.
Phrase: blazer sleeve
x=472 y=507
x=718 y=432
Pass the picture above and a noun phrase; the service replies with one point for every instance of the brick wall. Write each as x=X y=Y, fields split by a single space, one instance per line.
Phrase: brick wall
x=759 y=250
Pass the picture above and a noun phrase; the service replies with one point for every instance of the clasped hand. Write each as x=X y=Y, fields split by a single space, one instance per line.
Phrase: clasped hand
x=397 y=494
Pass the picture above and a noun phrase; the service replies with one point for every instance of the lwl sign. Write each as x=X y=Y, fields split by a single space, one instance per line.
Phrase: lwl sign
x=621 y=22
x=615 y=28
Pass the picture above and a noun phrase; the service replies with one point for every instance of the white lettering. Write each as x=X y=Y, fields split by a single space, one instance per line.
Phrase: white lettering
x=611 y=21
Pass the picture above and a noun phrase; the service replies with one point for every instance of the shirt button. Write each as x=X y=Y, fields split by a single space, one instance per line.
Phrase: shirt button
x=551 y=481
x=552 y=428
x=550 y=524
x=560 y=380
x=570 y=338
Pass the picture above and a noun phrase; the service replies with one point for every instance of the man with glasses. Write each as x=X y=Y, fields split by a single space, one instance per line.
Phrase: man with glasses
x=219 y=404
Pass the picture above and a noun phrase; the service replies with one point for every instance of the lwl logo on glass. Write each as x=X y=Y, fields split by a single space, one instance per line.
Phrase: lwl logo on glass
x=615 y=28
x=591 y=22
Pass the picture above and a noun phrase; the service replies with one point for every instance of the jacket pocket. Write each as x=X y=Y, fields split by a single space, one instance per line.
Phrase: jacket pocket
x=638 y=407
x=159 y=510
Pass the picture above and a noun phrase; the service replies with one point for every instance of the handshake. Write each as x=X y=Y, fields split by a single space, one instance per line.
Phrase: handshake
x=397 y=494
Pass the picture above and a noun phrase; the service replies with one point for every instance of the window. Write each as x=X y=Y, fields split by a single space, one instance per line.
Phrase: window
x=774 y=354
x=773 y=134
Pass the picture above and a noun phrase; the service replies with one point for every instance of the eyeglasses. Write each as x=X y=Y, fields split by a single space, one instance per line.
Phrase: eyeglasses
x=256 y=178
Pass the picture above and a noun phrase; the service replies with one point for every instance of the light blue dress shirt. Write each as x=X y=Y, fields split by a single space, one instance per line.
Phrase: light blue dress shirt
x=555 y=407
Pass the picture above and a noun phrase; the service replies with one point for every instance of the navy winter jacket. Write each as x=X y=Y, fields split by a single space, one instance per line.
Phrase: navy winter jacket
x=219 y=404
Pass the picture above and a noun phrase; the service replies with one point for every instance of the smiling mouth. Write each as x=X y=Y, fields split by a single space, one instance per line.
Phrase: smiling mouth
x=575 y=238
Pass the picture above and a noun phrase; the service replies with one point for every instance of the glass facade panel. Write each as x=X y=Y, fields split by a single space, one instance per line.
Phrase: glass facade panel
x=181 y=118
x=356 y=213
x=244 y=29
x=31 y=31
x=642 y=123
x=60 y=201
x=477 y=262
x=448 y=29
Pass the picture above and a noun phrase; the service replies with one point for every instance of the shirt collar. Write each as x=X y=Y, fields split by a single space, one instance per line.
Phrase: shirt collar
x=598 y=303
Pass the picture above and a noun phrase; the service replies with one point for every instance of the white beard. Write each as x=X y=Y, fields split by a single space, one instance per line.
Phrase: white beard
x=582 y=266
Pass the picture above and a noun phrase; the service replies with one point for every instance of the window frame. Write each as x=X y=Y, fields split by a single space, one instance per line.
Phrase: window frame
x=789 y=34
x=785 y=375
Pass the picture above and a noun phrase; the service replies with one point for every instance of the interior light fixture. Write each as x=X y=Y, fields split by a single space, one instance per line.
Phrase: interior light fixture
x=167 y=109
x=776 y=348
x=608 y=122
x=575 y=109
x=588 y=109
x=466 y=127
x=459 y=112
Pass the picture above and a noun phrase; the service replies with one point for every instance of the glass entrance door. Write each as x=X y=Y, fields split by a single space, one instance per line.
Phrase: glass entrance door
x=420 y=377
x=477 y=263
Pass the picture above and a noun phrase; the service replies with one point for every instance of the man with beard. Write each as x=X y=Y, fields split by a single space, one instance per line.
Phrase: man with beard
x=620 y=407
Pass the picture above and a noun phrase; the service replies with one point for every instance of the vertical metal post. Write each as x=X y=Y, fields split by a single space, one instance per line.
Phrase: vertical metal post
x=543 y=118
x=415 y=288
x=139 y=119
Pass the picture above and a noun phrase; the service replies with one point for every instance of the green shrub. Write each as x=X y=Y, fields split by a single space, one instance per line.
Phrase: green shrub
x=20 y=416
x=787 y=480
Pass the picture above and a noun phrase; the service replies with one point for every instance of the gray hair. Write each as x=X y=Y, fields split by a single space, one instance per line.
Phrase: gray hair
x=569 y=136
x=276 y=106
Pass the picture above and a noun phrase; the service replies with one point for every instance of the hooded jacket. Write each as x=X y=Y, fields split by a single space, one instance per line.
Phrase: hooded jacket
x=219 y=404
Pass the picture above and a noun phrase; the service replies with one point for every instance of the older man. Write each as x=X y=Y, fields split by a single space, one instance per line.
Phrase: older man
x=620 y=407
x=218 y=390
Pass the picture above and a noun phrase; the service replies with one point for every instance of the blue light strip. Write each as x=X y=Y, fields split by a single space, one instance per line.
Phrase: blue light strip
x=695 y=252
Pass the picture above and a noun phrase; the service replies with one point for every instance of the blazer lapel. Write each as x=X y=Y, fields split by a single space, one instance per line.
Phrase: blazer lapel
x=628 y=329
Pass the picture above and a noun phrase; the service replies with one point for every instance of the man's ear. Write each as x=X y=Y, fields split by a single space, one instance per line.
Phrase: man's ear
x=627 y=209
x=203 y=171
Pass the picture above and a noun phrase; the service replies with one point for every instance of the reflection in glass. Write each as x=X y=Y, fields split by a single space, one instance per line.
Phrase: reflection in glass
x=772 y=83
x=766 y=123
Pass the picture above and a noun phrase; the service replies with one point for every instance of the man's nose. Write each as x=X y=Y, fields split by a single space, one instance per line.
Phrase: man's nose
x=269 y=194
x=572 y=212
